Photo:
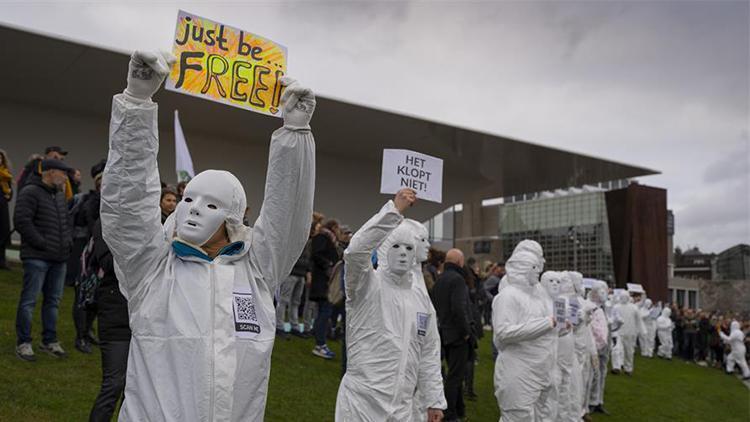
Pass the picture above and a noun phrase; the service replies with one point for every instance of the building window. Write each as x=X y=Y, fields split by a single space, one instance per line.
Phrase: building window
x=680 y=297
x=692 y=299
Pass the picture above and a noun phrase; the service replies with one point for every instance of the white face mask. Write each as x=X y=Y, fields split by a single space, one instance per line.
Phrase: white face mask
x=205 y=205
x=533 y=275
x=401 y=258
x=551 y=284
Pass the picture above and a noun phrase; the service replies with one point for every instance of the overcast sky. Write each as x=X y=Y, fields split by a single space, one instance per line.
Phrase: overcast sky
x=662 y=84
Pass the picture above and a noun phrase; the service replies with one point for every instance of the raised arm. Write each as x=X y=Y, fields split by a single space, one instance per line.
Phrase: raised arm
x=130 y=186
x=280 y=233
x=366 y=240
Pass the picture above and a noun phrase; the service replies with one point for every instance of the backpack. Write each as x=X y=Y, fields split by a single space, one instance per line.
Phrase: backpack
x=89 y=279
x=336 y=294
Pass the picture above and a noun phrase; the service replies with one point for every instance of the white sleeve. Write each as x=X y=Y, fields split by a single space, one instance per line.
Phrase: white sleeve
x=131 y=223
x=282 y=229
x=430 y=379
x=506 y=326
x=358 y=256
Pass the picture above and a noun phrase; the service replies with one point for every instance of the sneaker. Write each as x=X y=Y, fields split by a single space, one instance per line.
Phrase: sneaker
x=83 y=346
x=25 y=352
x=53 y=349
x=323 y=352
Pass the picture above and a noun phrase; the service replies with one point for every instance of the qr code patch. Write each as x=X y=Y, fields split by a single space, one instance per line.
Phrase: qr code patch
x=245 y=308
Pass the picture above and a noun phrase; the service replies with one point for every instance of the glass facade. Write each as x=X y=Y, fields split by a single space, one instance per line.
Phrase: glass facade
x=572 y=229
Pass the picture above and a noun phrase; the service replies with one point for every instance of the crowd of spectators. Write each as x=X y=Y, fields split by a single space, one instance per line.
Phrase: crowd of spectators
x=696 y=334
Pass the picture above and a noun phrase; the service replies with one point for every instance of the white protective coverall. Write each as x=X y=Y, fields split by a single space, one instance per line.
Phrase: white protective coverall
x=736 y=340
x=524 y=334
x=421 y=236
x=600 y=329
x=586 y=352
x=568 y=385
x=632 y=326
x=551 y=282
x=618 y=352
x=646 y=339
x=203 y=328
x=664 y=327
x=393 y=345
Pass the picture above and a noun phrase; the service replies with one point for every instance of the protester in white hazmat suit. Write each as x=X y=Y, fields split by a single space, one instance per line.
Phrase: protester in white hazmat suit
x=618 y=351
x=632 y=326
x=421 y=237
x=393 y=345
x=664 y=327
x=568 y=386
x=646 y=338
x=200 y=289
x=600 y=326
x=736 y=339
x=550 y=282
x=524 y=335
x=586 y=352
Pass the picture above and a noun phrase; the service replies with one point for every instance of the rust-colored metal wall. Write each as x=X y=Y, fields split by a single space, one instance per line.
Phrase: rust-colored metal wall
x=638 y=233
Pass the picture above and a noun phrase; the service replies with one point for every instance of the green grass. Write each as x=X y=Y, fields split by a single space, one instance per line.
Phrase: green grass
x=303 y=387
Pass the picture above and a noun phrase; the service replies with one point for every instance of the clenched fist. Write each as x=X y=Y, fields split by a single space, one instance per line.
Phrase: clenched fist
x=404 y=199
x=146 y=72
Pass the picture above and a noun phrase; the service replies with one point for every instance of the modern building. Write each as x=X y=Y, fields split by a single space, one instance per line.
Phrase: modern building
x=572 y=229
x=615 y=231
x=693 y=263
x=733 y=263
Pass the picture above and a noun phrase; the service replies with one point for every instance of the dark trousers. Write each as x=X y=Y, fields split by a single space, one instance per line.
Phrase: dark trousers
x=114 y=368
x=83 y=319
x=456 y=354
x=688 y=346
x=40 y=276
x=320 y=327
x=469 y=384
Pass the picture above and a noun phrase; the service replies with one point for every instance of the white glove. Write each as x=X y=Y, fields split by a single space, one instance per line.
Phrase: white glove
x=146 y=72
x=297 y=103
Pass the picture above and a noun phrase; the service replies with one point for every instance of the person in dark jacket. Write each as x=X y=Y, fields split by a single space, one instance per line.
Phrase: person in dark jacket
x=114 y=331
x=451 y=296
x=324 y=257
x=41 y=217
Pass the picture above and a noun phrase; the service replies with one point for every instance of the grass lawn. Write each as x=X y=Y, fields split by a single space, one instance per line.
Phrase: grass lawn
x=303 y=387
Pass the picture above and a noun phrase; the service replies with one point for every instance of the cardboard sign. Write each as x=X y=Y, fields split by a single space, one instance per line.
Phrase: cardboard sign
x=408 y=169
x=559 y=306
x=221 y=63
x=573 y=307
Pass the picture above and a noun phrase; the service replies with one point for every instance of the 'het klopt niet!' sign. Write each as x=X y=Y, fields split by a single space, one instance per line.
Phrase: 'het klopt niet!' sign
x=408 y=169
x=227 y=65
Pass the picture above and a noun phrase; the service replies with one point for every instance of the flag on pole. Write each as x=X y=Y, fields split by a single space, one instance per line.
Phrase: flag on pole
x=183 y=161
